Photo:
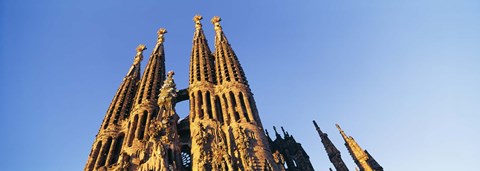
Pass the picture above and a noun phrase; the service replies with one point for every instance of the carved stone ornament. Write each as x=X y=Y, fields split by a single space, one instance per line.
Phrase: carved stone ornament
x=197 y=19
x=216 y=23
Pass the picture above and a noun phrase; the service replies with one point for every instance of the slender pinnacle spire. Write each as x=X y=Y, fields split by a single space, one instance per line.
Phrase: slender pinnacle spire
x=358 y=154
x=154 y=73
x=201 y=61
x=316 y=127
x=332 y=151
x=345 y=137
x=118 y=110
x=135 y=68
x=227 y=65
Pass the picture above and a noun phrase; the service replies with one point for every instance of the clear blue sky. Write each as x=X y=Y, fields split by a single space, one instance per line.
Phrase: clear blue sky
x=401 y=77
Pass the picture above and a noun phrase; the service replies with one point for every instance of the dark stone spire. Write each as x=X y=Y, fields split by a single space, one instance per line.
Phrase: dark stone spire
x=332 y=151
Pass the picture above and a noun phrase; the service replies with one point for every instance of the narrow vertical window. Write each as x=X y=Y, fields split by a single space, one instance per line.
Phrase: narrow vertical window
x=94 y=155
x=209 y=105
x=133 y=130
x=234 y=106
x=141 y=128
x=117 y=147
x=244 y=108
x=104 y=153
x=200 y=105
x=218 y=109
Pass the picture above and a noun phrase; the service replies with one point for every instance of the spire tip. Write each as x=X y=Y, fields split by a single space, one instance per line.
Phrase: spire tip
x=338 y=127
x=160 y=33
x=197 y=19
x=216 y=22
x=141 y=48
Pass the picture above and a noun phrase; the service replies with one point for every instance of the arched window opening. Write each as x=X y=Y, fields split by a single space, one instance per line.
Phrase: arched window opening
x=200 y=104
x=143 y=122
x=105 y=125
x=133 y=130
x=209 y=106
x=218 y=109
x=253 y=108
x=116 y=149
x=104 y=153
x=94 y=155
x=234 y=106
x=244 y=108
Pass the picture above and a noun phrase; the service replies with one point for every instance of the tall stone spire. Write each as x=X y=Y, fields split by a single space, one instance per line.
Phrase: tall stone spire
x=228 y=67
x=145 y=106
x=201 y=62
x=206 y=116
x=332 y=151
x=361 y=157
x=241 y=124
x=154 y=73
x=109 y=139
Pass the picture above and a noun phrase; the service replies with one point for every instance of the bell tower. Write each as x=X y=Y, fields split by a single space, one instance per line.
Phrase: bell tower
x=110 y=137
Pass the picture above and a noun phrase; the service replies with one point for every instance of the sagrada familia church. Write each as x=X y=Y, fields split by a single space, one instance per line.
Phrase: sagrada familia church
x=223 y=131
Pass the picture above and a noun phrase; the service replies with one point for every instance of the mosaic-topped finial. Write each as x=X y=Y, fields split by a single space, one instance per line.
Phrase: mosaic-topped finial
x=216 y=22
x=160 y=33
x=197 y=19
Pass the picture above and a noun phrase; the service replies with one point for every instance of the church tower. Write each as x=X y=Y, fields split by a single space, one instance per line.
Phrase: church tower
x=332 y=151
x=141 y=130
x=205 y=118
x=225 y=127
x=109 y=140
x=362 y=158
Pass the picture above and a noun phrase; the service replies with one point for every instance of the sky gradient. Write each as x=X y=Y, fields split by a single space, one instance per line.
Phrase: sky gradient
x=401 y=77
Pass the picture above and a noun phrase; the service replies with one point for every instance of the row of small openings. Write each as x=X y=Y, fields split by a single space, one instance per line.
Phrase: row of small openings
x=129 y=104
x=120 y=106
x=157 y=73
x=136 y=129
x=101 y=152
x=218 y=108
x=243 y=107
x=143 y=83
x=112 y=107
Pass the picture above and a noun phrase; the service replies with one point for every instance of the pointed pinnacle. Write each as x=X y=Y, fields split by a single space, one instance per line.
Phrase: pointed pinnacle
x=275 y=129
x=197 y=19
x=160 y=33
x=216 y=22
x=141 y=48
x=338 y=127
x=341 y=132
x=283 y=130
x=315 y=123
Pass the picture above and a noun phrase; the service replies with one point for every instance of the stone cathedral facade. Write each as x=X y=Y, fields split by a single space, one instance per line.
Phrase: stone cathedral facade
x=223 y=131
